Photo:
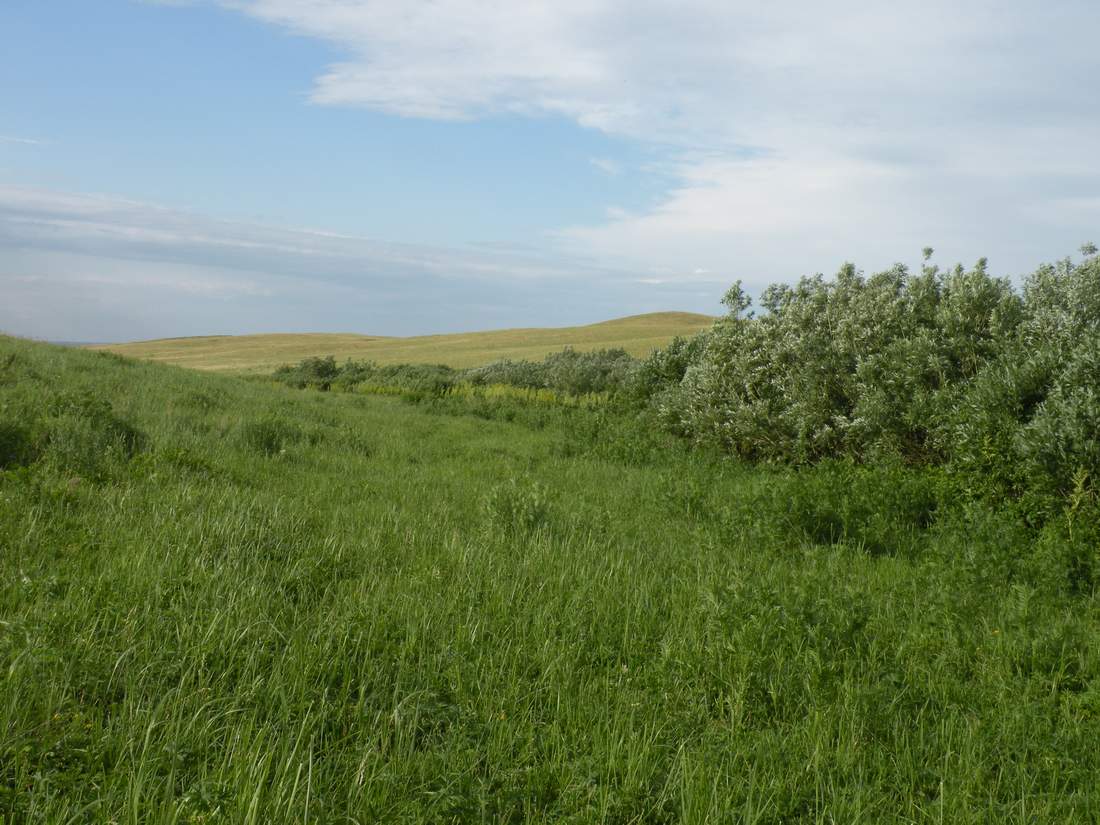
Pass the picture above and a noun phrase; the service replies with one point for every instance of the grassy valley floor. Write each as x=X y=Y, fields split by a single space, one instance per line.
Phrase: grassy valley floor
x=227 y=601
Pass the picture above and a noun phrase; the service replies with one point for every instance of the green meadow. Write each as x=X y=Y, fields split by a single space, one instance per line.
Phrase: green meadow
x=228 y=600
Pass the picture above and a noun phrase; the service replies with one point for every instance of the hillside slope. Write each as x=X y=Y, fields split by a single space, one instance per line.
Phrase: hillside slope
x=225 y=600
x=637 y=334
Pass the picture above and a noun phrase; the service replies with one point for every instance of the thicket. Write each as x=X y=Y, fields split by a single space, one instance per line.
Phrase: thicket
x=569 y=372
x=996 y=387
x=954 y=369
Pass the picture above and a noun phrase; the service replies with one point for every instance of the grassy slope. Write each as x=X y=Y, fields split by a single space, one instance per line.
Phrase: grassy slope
x=395 y=615
x=638 y=334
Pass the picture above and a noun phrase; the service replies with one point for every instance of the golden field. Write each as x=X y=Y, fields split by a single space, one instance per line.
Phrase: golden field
x=637 y=334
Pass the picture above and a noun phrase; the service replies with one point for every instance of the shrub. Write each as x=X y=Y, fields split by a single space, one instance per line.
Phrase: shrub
x=1066 y=555
x=1061 y=439
x=982 y=545
x=311 y=372
x=84 y=436
x=268 y=436
x=949 y=368
x=17 y=446
x=979 y=431
x=518 y=507
x=204 y=401
x=665 y=368
x=568 y=372
x=882 y=510
x=853 y=366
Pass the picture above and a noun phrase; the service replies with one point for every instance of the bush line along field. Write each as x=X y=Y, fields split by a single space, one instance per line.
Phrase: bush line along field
x=228 y=599
x=996 y=389
x=637 y=334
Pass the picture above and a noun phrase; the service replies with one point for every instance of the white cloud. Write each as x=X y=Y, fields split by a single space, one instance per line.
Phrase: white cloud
x=801 y=133
x=121 y=227
x=21 y=140
x=93 y=268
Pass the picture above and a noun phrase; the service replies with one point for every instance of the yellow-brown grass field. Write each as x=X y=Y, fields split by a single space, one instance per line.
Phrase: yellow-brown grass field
x=637 y=334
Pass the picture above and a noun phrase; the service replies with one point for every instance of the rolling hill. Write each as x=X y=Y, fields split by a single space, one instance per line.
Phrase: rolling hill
x=638 y=334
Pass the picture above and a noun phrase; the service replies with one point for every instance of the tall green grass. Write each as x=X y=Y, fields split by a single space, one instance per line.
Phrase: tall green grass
x=231 y=601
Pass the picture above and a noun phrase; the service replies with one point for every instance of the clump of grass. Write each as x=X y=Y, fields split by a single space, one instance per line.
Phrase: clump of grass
x=883 y=510
x=84 y=436
x=17 y=445
x=268 y=436
x=518 y=507
x=204 y=401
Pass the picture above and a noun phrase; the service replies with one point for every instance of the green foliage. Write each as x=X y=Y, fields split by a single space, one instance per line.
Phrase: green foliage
x=665 y=368
x=568 y=372
x=17 y=447
x=424 y=380
x=269 y=436
x=85 y=437
x=311 y=372
x=953 y=369
x=481 y=608
x=881 y=510
x=518 y=507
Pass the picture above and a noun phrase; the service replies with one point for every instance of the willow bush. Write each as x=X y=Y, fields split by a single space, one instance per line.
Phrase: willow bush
x=952 y=368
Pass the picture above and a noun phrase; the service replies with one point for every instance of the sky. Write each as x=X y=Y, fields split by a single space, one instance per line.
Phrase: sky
x=403 y=167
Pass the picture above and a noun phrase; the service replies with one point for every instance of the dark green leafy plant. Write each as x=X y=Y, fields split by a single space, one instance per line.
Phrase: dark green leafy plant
x=269 y=436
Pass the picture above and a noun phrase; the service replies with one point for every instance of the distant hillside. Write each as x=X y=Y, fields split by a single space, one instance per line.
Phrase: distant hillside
x=637 y=334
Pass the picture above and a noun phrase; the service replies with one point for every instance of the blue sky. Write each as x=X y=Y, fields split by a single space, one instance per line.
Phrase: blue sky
x=211 y=166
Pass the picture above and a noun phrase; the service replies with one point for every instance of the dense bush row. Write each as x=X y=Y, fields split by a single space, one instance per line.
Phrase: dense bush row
x=568 y=371
x=954 y=368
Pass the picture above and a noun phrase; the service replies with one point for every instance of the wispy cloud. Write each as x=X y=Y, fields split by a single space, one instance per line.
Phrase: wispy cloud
x=83 y=267
x=607 y=166
x=122 y=227
x=22 y=140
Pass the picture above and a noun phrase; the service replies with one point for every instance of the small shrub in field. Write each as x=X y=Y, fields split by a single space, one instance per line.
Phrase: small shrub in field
x=1066 y=556
x=87 y=448
x=17 y=447
x=355 y=441
x=518 y=507
x=268 y=436
x=203 y=401
x=882 y=510
x=620 y=437
x=311 y=372
x=981 y=544
x=84 y=436
x=685 y=495
x=187 y=461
